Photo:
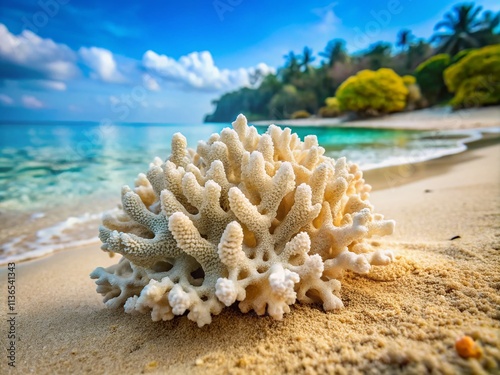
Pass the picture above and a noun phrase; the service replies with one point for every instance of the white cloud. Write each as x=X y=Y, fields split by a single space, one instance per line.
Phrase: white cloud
x=27 y=56
x=6 y=99
x=197 y=70
x=329 y=20
x=31 y=102
x=102 y=63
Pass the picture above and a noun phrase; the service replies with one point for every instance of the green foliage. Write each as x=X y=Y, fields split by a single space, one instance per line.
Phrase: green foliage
x=290 y=100
x=414 y=99
x=403 y=39
x=475 y=79
x=459 y=56
x=378 y=55
x=332 y=102
x=464 y=29
x=286 y=101
x=327 y=112
x=429 y=77
x=300 y=85
x=409 y=80
x=335 y=52
x=332 y=108
x=373 y=92
x=251 y=102
x=300 y=114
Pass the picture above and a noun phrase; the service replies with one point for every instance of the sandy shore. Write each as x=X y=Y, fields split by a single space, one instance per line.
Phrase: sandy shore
x=404 y=318
x=425 y=119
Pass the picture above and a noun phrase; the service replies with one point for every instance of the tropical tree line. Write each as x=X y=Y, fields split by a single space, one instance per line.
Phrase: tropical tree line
x=415 y=67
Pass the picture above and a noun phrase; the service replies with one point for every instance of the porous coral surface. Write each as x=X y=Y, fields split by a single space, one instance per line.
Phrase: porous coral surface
x=265 y=220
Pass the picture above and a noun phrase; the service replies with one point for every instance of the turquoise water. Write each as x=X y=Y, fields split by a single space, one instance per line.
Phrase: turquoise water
x=49 y=163
x=55 y=178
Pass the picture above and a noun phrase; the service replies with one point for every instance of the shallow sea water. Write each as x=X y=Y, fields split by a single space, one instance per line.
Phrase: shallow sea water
x=56 y=178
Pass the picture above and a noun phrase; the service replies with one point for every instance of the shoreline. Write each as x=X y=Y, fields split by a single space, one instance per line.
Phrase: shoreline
x=440 y=118
x=379 y=178
x=401 y=318
x=397 y=175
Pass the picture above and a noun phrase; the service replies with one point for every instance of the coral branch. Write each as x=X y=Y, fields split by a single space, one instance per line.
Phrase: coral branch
x=265 y=220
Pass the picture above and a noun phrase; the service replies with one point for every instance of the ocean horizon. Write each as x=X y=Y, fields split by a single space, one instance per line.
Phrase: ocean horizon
x=56 y=177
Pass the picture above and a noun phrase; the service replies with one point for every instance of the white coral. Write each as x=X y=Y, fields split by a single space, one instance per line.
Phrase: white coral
x=261 y=219
x=225 y=290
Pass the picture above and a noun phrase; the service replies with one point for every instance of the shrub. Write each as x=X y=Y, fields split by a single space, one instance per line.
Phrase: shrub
x=475 y=79
x=459 y=56
x=332 y=108
x=332 y=102
x=300 y=114
x=289 y=100
x=328 y=112
x=414 y=99
x=373 y=92
x=429 y=75
x=284 y=102
x=409 y=80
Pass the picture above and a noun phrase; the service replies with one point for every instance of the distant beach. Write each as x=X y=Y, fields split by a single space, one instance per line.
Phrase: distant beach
x=437 y=118
x=404 y=318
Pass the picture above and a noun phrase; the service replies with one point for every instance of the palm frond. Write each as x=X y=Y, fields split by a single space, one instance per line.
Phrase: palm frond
x=446 y=24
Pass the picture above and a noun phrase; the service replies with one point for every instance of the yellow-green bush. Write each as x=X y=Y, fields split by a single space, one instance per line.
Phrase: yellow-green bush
x=459 y=56
x=373 y=92
x=332 y=108
x=327 y=112
x=475 y=79
x=300 y=114
x=332 y=102
x=409 y=80
x=414 y=99
x=429 y=75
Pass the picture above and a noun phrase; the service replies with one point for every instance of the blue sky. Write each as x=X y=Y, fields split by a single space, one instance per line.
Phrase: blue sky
x=165 y=61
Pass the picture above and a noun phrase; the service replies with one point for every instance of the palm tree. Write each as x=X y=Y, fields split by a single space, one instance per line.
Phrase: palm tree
x=404 y=38
x=291 y=68
x=417 y=52
x=306 y=58
x=335 y=52
x=489 y=23
x=378 y=55
x=490 y=20
x=292 y=61
x=463 y=29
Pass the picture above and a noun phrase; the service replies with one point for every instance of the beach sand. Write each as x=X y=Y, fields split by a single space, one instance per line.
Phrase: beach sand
x=403 y=318
x=437 y=118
